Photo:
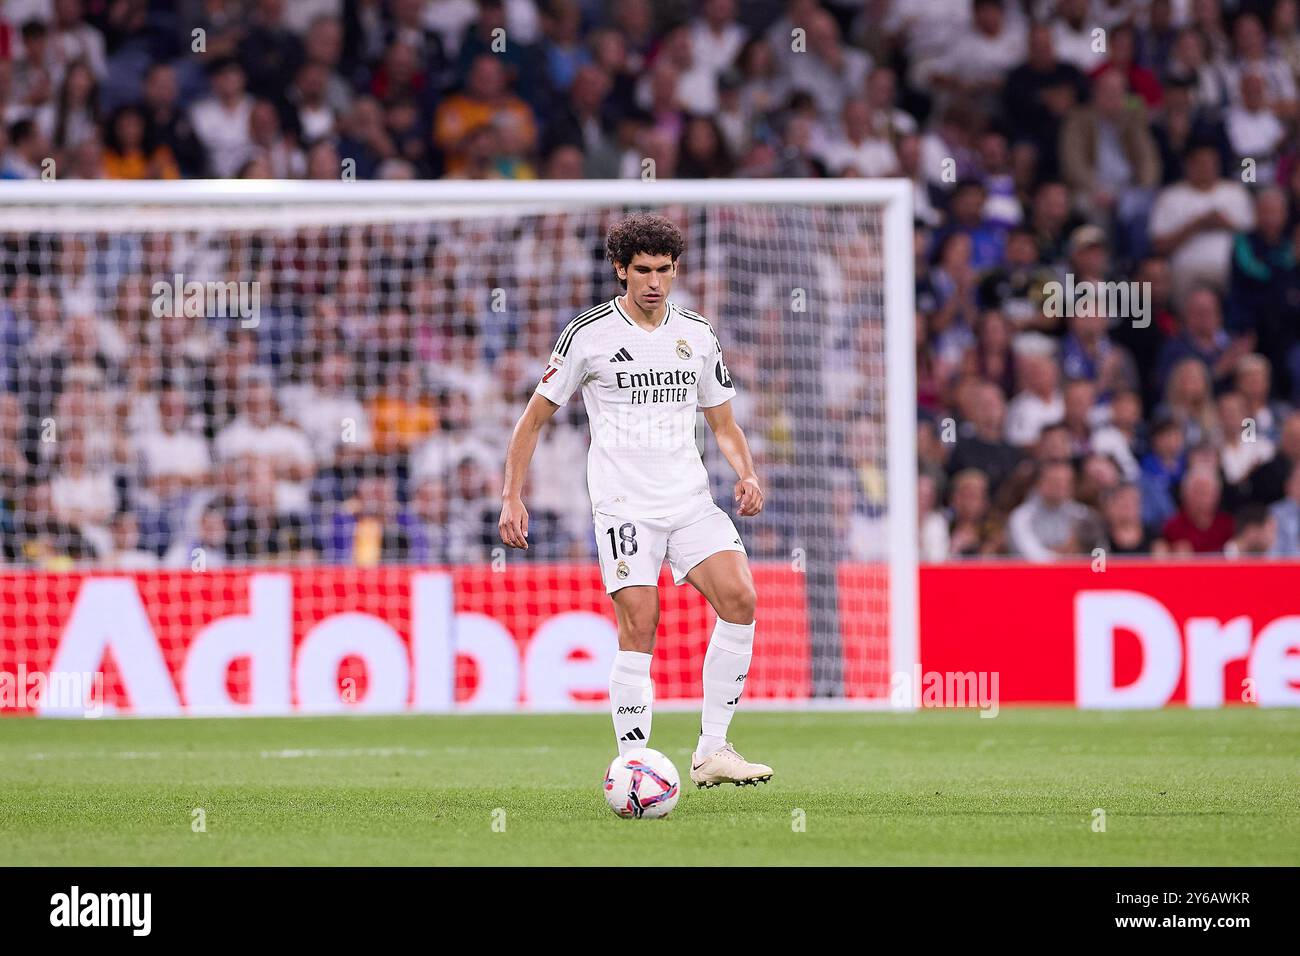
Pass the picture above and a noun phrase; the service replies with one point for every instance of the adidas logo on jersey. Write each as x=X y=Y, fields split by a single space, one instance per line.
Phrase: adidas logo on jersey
x=633 y=734
x=622 y=355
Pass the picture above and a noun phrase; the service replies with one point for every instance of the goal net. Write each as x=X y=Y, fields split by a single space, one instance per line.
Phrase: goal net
x=252 y=438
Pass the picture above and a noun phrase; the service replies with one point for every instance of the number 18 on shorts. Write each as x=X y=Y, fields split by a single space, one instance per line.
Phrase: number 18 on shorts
x=632 y=550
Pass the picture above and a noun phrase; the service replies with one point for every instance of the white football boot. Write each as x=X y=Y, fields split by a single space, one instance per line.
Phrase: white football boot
x=727 y=766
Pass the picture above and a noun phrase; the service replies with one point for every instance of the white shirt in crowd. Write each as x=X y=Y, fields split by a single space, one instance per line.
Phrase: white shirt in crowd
x=224 y=133
x=276 y=441
x=829 y=87
x=1206 y=256
x=1028 y=414
x=1078 y=47
x=1239 y=460
x=1257 y=134
x=979 y=58
x=870 y=157
x=441 y=452
x=180 y=454
x=717 y=50
x=91 y=493
x=326 y=419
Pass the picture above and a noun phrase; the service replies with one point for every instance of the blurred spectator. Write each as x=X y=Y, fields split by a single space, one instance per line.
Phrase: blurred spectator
x=1046 y=526
x=28 y=148
x=44 y=539
x=259 y=432
x=1039 y=401
x=982 y=447
x=1253 y=380
x=1252 y=57
x=269 y=51
x=257 y=527
x=703 y=153
x=934 y=529
x=1243 y=449
x=1122 y=59
x=966 y=216
x=1267 y=483
x=74 y=39
x=973 y=529
x=828 y=68
x=1039 y=94
x=401 y=412
x=1265 y=286
x=221 y=121
x=1052 y=221
x=82 y=492
x=1203 y=338
x=1199 y=526
x=168 y=125
x=1181 y=122
x=370 y=526
x=78 y=106
x=205 y=548
x=125 y=553
x=329 y=412
x=1255 y=535
x=1121 y=508
x=1189 y=402
x=856 y=147
x=979 y=61
x=1121 y=436
x=1162 y=471
x=486 y=99
x=1254 y=131
x=1193 y=221
x=128 y=153
x=1078 y=399
x=174 y=458
x=1286 y=517
x=1073 y=35
x=1109 y=159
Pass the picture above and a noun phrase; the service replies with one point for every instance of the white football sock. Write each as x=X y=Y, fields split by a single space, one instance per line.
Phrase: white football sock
x=725 y=665
x=631 y=697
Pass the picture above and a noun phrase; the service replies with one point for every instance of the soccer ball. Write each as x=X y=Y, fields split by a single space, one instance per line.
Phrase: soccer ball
x=642 y=783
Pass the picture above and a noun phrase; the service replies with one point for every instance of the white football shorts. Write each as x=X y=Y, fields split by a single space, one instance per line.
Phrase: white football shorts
x=632 y=550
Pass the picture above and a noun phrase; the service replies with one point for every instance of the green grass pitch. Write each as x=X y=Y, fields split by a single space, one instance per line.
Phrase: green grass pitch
x=1178 y=787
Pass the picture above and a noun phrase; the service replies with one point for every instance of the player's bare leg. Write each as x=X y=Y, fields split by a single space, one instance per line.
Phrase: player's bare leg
x=631 y=693
x=726 y=582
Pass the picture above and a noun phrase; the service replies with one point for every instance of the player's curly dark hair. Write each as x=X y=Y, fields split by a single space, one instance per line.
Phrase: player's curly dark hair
x=642 y=233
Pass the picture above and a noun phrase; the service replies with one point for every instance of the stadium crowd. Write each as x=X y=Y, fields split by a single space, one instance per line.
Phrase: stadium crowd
x=1051 y=145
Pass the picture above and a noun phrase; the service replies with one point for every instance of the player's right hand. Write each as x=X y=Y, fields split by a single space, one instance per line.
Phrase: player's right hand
x=513 y=525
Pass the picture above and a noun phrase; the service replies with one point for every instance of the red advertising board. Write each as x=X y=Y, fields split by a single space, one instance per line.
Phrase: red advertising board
x=321 y=640
x=1136 y=634
x=389 y=639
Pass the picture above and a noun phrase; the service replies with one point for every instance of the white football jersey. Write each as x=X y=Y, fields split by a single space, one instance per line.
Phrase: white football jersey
x=642 y=391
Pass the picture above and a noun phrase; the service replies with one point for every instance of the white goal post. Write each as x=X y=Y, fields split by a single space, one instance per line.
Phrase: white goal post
x=37 y=209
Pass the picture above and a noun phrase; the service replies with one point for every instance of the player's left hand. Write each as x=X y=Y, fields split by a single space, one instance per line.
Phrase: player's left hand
x=749 y=496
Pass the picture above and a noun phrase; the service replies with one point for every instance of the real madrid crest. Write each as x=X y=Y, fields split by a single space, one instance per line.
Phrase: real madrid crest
x=683 y=349
x=622 y=570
